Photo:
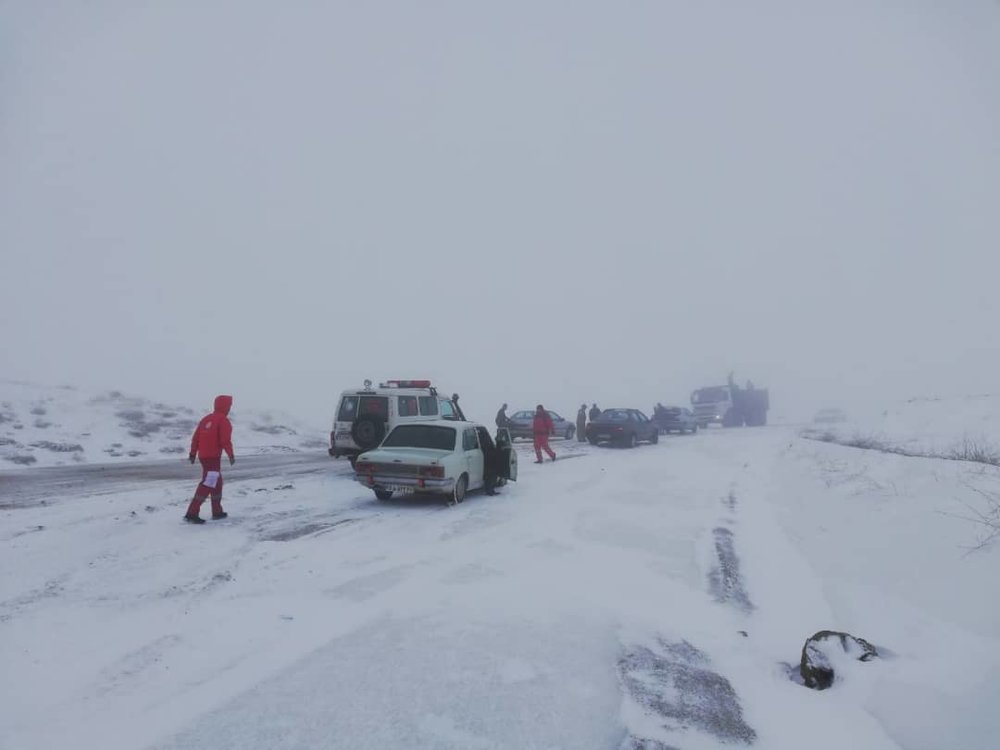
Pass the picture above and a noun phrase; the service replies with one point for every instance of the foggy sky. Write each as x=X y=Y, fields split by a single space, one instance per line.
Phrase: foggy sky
x=528 y=202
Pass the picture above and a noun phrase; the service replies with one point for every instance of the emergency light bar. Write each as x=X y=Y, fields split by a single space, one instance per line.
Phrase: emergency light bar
x=407 y=384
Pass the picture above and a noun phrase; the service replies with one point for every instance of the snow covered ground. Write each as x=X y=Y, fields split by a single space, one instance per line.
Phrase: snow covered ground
x=935 y=425
x=612 y=599
x=45 y=426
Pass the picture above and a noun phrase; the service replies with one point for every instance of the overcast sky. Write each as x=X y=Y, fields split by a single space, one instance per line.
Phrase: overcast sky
x=538 y=201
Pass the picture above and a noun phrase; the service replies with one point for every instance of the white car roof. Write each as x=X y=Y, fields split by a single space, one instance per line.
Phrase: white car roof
x=439 y=423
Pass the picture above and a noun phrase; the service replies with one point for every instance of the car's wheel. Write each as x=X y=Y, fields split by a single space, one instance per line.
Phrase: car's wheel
x=383 y=494
x=632 y=441
x=353 y=460
x=655 y=438
x=461 y=486
x=694 y=429
x=569 y=433
x=368 y=433
x=592 y=440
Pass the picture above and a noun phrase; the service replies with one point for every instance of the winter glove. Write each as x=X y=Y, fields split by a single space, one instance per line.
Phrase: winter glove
x=191 y=458
x=232 y=460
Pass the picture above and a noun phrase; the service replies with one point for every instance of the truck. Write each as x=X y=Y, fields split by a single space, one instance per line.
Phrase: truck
x=731 y=406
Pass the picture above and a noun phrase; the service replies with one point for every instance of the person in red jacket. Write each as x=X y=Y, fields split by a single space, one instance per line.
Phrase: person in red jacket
x=542 y=427
x=212 y=437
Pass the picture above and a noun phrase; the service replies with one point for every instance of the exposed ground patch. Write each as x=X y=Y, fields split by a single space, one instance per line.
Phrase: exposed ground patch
x=673 y=683
x=725 y=580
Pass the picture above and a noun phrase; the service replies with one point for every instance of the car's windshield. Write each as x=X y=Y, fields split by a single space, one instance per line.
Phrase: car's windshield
x=421 y=436
x=710 y=395
x=615 y=415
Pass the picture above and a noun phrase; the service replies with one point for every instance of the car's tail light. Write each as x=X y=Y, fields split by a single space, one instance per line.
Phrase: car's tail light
x=431 y=472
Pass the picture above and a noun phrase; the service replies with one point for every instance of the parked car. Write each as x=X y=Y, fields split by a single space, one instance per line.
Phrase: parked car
x=830 y=416
x=622 y=427
x=522 y=425
x=365 y=416
x=436 y=458
x=675 y=419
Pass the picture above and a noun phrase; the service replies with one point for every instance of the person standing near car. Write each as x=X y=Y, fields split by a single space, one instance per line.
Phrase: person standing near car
x=502 y=419
x=581 y=424
x=212 y=437
x=542 y=428
x=595 y=413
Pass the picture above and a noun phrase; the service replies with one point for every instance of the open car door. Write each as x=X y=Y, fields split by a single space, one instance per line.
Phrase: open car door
x=508 y=456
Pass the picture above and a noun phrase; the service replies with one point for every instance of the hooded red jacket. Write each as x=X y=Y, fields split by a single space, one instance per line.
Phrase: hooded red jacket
x=542 y=424
x=214 y=433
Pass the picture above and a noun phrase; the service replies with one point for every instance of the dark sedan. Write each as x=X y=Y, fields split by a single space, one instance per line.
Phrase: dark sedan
x=626 y=427
x=675 y=419
x=521 y=425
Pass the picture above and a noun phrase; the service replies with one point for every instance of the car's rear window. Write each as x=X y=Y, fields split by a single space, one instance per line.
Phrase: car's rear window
x=615 y=415
x=348 y=409
x=352 y=407
x=374 y=406
x=421 y=436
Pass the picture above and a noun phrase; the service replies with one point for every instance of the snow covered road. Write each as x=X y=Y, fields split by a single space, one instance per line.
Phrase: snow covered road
x=616 y=600
x=60 y=483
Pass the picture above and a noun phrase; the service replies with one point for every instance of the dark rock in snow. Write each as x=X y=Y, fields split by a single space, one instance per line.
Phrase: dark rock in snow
x=639 y=743
x=272 y=429
x=58 y=447
x=816 y=667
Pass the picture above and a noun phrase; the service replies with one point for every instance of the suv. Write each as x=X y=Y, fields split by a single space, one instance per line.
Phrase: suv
x=364 y=417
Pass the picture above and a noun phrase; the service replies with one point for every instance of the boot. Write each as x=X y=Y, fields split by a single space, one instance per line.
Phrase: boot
x=220 y=515
x=194 y=519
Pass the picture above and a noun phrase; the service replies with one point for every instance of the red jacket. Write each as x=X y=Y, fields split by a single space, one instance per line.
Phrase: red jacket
x=214 y=432
x=543 y=424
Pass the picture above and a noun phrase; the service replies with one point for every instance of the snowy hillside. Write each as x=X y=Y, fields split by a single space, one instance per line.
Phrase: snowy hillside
x=932 y=426
x=45 y=426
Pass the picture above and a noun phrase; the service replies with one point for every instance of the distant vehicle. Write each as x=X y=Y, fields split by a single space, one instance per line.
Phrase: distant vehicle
x=730 y=405
x=830 y=416
x=521 y=425
x=435 y=458
x=626 y=427
x=365 y=416
x=675 y=419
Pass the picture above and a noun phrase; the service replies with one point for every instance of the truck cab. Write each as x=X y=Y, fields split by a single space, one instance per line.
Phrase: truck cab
x=711 y=405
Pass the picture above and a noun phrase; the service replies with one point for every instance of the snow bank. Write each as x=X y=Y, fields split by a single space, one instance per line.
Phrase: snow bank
x=925 y=426
x=46 y=426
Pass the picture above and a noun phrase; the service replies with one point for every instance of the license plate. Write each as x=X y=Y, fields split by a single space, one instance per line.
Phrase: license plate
x=604 y=435
x=402 y=489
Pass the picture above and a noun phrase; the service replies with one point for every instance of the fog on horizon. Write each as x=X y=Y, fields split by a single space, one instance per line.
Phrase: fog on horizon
x=526 y=202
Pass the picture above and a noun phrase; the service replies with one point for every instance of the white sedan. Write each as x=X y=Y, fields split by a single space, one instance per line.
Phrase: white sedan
x=438 y=458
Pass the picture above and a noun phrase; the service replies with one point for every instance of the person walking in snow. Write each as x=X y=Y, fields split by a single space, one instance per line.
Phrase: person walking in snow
x=581 y=424
x=542 y=428
x=502 y=419
x=212 y=437
x=595 y=413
